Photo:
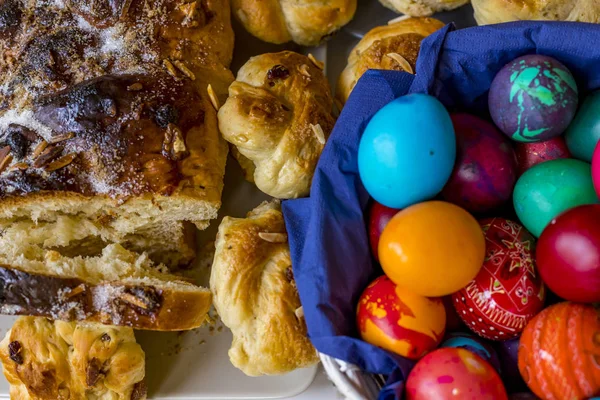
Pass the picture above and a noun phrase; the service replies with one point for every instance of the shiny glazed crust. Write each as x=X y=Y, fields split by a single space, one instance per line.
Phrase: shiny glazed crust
x=306 y=22
x=256 y=296
x=422 y=8
x=278 y=116
x=379 y=47
x=46 y=360
x=497 y=11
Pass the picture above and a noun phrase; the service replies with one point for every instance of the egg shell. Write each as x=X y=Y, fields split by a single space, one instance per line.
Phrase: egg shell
x=485 y=170
x=559 y=352
x=533 y=98
x=453 y=321
x=454 y=373
x=530 y=154
x=432 y=248
x=397 y=164
x=508 y=352
x=379 y=216
x=523 y=396
x=584 y=132
x=570 y=247
x=550 y=188
x=475 y=345
x=596 y=169
x=400 y=321
x=508 y=291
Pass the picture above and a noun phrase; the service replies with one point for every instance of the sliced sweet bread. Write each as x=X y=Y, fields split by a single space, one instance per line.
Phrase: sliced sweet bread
x=56 y=360
x=118 y=287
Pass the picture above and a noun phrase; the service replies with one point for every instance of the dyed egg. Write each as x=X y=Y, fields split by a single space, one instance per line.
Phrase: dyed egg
x=584 y=132
x=559 y=353
x=379 y=216
x=453 y=321
x=454 y=373
x=485 y=171
x=398 y=320
x=508 y=351
x=397 y=164
x=550 y=188
x=533 y=98
x=530 y=154
x=475 y=345
x=524 y=396
x=432 y=248
x=508 y=291
x=596 y=169
x=569 y=248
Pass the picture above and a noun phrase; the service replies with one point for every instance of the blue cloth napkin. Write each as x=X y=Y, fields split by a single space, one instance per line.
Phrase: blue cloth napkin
x=327 y=232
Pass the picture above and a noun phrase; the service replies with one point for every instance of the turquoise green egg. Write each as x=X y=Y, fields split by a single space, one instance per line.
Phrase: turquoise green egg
x=550 y=188
x=584 y=132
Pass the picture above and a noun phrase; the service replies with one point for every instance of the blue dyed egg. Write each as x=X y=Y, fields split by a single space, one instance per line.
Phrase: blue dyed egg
x=407 y=151
x=533 y=98
x=474 y=345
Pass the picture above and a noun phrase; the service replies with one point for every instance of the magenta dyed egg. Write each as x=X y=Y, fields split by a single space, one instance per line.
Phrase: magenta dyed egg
x=508 y=291
x=485 y=170
x=596 y=169
x=533 y=98
x=530 y=154
x=454 y=373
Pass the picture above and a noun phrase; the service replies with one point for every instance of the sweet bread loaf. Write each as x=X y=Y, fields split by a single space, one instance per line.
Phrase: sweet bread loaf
x=278 y=116
x=105 y=112
x=392 y=47
x=46 y=360
x=117 y=287
x=306 y=22
x=497 y=11
x=422 y=8
x=255 y=294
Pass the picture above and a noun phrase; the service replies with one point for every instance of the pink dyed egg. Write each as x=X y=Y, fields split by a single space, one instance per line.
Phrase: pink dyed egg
x=454 y=373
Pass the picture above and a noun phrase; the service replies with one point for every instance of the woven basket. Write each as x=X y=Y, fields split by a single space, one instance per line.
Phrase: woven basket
x=350 y=380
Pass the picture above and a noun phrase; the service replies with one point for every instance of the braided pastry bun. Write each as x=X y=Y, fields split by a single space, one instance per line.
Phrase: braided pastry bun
x=306 y=22
x=497 y=11
x=422 y=8
x=391 y=47
x=278 y=116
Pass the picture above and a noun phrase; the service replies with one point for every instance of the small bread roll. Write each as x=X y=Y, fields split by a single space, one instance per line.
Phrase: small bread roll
x=255 y=294
x=393 y=47
x=497 y=11
x=306 y=22
x=422 y=8
x=278 y=116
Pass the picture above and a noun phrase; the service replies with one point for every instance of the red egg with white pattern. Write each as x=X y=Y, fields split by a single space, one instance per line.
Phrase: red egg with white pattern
x=508 y=290
x=454 y=373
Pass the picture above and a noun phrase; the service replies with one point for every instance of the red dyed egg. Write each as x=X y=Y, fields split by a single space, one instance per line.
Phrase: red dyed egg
x=530 y=154
x=453 y=321
x=379 y=216
x=559 y=352
x=454 y=373
x=400 y=321
x=508 y=290
x=568 y=254
x=486 y=169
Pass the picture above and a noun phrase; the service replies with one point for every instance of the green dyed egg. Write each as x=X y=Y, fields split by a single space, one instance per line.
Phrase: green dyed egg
x=584 y=132
x=549 y=188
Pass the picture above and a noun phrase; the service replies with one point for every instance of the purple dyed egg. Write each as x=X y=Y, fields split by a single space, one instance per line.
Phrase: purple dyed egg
x=508 y=352
x=486 y=166
x=533 y=98
x=475 y=345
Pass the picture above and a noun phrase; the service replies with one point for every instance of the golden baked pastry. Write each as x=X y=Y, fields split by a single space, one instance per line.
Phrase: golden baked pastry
x=497 y=11
x=47 y=360
x=392 y=47
x=306 y=22
x=256 y=296
x=278 y=116
x=422 y=8
x=106 y=113
x=117 y=287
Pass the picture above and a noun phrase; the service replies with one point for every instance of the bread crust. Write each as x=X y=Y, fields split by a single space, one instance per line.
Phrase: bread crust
x=422 y=8
x=401 y=38
x=306 y=22
x=498 y=11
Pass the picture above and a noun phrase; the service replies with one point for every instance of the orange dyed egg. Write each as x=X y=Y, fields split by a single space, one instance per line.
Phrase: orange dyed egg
x=433 y=248
x=559 y=352
x=400 y=321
